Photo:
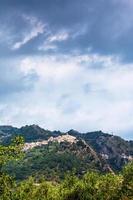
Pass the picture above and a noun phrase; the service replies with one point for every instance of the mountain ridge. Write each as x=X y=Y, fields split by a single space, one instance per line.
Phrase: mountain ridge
x=10 y=128
x=92 y=150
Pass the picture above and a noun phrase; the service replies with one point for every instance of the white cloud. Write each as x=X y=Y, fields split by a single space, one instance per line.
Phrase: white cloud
x=36 y=28
x=51 y=41
x=60 y=99
x=60 y=36
x=46 y=46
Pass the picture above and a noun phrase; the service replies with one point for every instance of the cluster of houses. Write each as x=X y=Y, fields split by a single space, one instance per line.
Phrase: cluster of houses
x=59 y=139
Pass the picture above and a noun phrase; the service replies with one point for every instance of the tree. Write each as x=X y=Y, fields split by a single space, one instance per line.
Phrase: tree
x=127 y=186
x=7 y=153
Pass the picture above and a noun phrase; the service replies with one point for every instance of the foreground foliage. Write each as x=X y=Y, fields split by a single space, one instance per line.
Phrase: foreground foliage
x=55 y=159
x=92 y=186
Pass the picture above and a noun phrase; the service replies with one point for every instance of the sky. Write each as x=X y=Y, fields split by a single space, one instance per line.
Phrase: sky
x=67 y=64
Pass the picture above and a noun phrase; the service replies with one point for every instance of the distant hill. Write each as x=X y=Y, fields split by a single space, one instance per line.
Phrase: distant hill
x=51 y=153
x=30 y=133
x=114 y=149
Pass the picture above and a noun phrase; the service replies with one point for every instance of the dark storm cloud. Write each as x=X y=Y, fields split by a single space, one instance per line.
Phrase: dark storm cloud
x=108 y=24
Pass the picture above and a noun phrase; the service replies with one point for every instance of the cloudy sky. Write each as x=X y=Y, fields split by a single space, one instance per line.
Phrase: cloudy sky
x=67 y=64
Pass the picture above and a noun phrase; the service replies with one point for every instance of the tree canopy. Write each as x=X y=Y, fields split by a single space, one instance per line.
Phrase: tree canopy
x=91 y=186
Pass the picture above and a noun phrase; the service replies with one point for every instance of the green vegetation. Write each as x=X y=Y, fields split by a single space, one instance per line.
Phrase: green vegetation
x=52 y=161
x=91 y=186
x=7 y=153
x=117 y=150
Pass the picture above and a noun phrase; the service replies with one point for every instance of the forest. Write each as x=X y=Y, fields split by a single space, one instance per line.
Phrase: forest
x=91 y=186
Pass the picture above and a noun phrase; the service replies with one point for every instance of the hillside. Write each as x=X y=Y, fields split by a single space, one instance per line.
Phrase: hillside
x=53 y=153
x=114 y=149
